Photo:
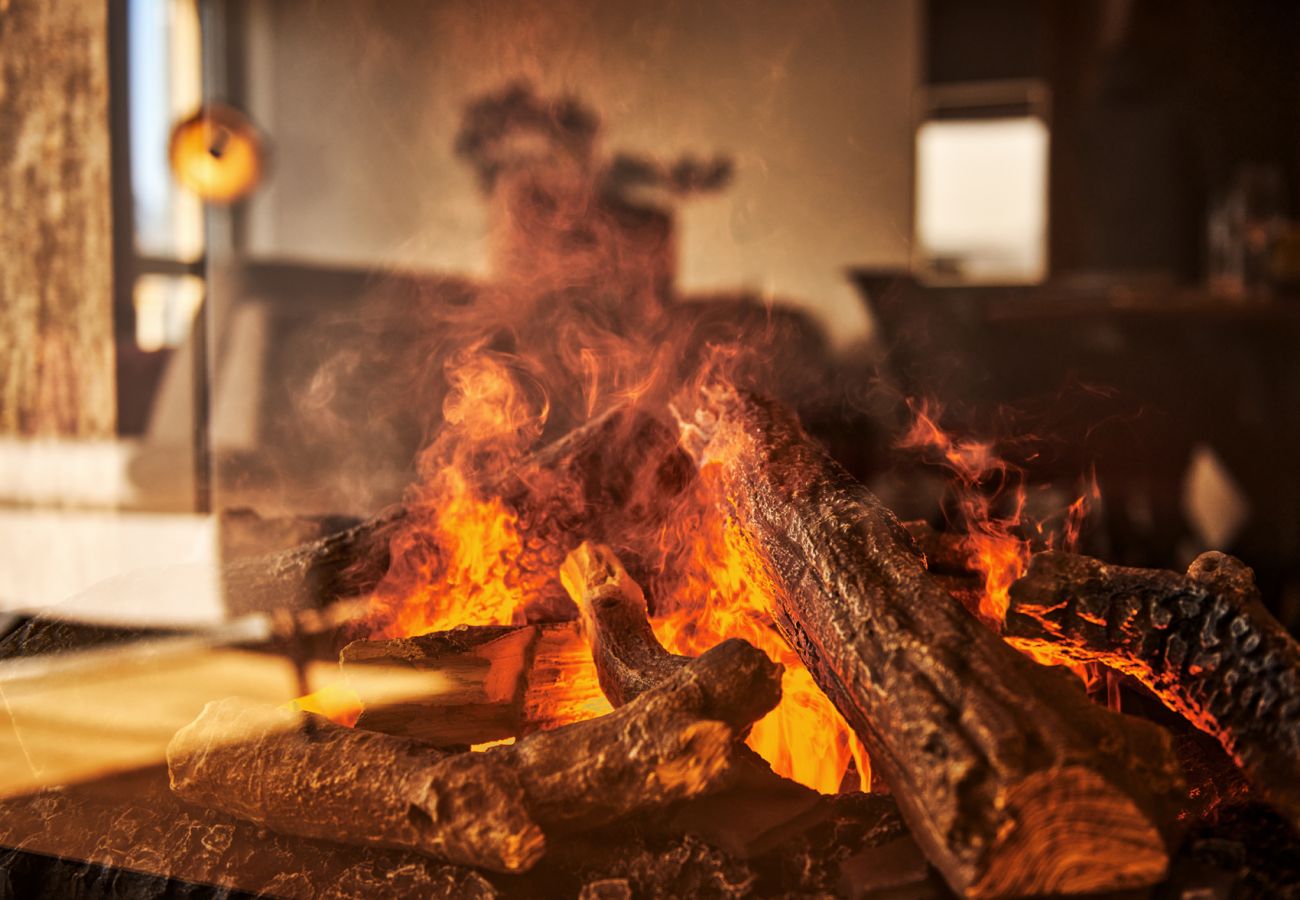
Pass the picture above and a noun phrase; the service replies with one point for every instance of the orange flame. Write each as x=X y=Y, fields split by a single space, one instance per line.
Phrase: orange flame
x=581 y=297
x=981 y=482
x=1001 y=557
x=718 y=587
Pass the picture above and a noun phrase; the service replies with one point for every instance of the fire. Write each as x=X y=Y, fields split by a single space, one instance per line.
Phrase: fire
x=1000 y=555
x=990 y=499
x=464 y=560
x=719 y=588
x=459 y=559
x=580 y=317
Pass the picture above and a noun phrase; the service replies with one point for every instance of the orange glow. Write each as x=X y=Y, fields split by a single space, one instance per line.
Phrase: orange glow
x=1001 y=556
x=459 y=560
x=335 y=701
x=717 y=587
x=980 y=481
x=458 y=568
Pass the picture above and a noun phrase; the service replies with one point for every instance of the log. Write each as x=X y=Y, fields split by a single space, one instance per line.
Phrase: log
x=998 y=769
x=945 y=552
x=127 y=836
x=493 y=809
x=474 y=684
x=1203 y=643
x=617 y=468
x=629 y=658
x=761 y=808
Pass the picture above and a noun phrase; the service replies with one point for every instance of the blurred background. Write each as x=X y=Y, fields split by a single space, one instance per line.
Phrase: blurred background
x=1071 y=226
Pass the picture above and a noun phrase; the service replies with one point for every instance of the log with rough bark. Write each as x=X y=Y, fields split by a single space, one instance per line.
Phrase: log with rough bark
x=999 y=771
x=617 y=468
x=494 y=809
x=761 y=808
x=1203 y=643
x=945 y=552
x=629 y=658
x=474 y=684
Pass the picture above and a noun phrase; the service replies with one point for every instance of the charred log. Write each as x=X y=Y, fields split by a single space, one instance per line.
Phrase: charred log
x=760 y=808
x=1203 y=643
x=998 y=770
x=474 y=684
x=629 y=658
x=493 y=809
x=945 y=552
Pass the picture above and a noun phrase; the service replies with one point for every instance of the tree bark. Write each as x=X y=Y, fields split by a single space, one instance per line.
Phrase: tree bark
x=495 y=809
x=997 y=768
x=56 y=281
x=1203 y=643
x=629 y=658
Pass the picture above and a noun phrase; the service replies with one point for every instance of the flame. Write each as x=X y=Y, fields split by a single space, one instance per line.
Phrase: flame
x=990 y=500
x=718 y=587
x=460 y=558
x=999 y=555
x=579 y=317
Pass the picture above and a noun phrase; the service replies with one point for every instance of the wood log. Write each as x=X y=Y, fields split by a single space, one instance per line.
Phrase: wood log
x=474 y=684
x=493 y=809
x=301 y=774
x=761 y=808
x=125 y=835
x=1203 y=643
x=998 y=770
x=617 y=468
x=629 y=658
x=945 y=552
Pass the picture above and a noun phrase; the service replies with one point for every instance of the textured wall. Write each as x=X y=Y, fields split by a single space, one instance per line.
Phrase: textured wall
x=56 y=276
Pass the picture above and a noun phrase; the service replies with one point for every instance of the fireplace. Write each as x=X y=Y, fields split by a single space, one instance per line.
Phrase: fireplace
x=599 y=494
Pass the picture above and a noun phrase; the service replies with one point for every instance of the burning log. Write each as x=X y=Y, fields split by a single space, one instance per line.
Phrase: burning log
x=492 y=809
x=623 y=461
x=1203 y=643
x=342 y=564
x=761 y=807
x=474 y=684
x=629 y=659
x=1011 y=781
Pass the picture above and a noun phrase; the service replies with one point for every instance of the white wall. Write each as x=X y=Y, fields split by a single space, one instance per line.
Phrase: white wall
x=361 y=99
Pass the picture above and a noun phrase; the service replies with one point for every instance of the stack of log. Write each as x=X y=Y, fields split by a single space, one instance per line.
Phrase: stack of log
x=1011 y=782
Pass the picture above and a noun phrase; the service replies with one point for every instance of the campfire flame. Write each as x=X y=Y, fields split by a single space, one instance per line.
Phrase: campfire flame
x=463 y=560
x=990 y=502
x=721 y=589
x=990 y=506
